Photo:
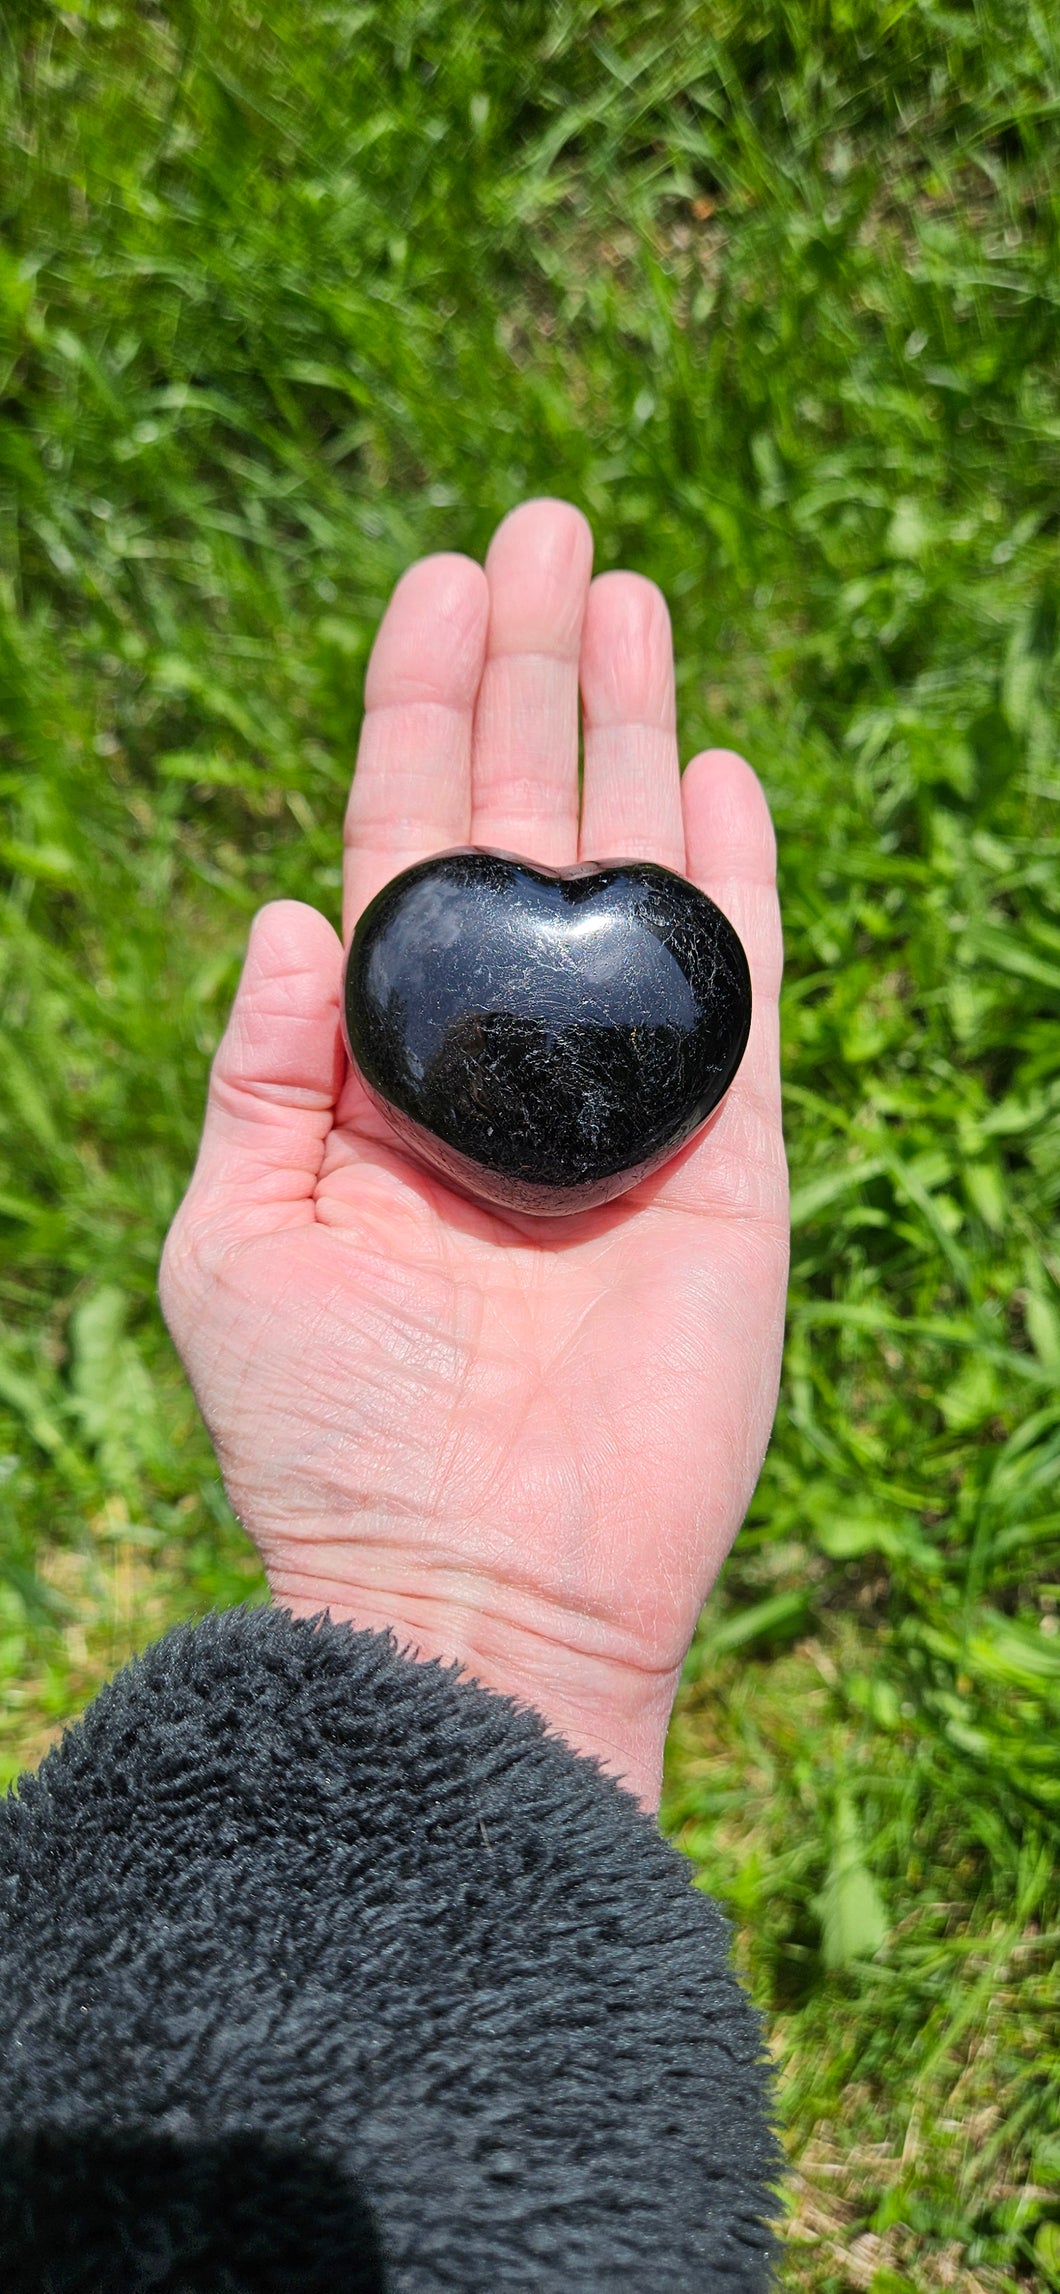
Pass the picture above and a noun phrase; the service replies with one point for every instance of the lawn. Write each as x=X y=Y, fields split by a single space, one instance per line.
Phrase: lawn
x=771 y=290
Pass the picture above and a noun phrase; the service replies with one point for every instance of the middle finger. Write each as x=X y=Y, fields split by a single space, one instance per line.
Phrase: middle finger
x=524 y=772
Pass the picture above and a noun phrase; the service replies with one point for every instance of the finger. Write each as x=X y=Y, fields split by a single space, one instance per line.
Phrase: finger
x=411 y=791
x=279 y=1066
x=525 y=756
x=631 y=797
x=732 y=855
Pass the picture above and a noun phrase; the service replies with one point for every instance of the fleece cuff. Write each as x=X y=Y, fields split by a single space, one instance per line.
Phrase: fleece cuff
x=320 y=1966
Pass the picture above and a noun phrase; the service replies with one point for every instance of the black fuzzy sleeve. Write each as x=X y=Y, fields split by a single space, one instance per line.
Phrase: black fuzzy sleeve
x=324 y=1969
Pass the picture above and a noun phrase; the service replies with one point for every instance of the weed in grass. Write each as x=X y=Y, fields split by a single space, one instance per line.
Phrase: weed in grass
x=772 y=294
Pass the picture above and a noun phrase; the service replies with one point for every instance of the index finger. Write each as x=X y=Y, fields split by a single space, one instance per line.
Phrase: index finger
x=411 y=793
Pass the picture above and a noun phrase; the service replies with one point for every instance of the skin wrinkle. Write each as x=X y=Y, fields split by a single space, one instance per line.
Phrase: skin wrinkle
x=339 y=1439
x=561 y=657
x=252 y=1068
x=499 y=1492
x=522 y=808
x=392 y=730
x=414 y=1350
x=659 y=730
x=253 y=1102
x=524 y=1482
x=295 y=987
x=401 y=706
x=451 y=1450
x=528 y=1402
x=473 y=1594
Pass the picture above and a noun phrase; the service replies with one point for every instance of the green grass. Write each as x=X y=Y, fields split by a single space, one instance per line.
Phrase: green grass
x=771 y=290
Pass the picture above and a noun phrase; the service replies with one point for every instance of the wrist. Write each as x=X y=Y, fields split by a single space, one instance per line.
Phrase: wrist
x=605 y=1708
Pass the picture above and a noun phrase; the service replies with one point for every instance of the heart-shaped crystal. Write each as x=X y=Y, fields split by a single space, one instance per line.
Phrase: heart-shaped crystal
x=544 y=1037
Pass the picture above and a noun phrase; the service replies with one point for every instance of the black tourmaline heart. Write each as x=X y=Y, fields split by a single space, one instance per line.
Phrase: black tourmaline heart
x=545 y=1036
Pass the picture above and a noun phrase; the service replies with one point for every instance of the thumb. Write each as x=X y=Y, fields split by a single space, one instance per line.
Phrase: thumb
x=278 y=1069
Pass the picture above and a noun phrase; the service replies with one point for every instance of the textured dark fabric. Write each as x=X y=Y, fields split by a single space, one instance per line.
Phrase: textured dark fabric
x=322 y=1967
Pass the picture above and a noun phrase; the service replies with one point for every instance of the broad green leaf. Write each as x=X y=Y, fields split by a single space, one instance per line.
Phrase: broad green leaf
x=111 y=1392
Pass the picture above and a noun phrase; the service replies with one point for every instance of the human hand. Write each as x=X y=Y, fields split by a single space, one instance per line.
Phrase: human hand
x=523 y=1443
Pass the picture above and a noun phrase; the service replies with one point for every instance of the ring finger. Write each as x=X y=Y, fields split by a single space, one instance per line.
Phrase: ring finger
x=631 y=803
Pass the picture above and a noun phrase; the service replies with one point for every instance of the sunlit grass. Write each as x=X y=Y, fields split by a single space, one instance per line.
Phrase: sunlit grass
x=771 y=292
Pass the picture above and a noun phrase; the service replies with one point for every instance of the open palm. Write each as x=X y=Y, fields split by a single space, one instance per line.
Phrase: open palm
x=525 y=1444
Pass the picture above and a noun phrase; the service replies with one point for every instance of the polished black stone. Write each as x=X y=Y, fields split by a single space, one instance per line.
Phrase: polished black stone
x=545 y=1036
